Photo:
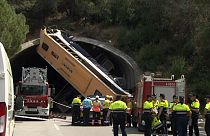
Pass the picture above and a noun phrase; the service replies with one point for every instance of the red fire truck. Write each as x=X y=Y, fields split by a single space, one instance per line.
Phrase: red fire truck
x=149 y=85
x=35 y=92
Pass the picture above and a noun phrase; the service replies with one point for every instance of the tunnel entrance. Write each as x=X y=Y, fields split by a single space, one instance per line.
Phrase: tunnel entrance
x=64 y=93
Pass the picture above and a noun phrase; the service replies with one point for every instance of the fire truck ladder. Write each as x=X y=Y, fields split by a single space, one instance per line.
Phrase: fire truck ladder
x=85 y=75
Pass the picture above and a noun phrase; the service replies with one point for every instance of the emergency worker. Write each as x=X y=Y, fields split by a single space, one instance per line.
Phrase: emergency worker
x=96 y=110
x=76 y=110
x=194 y=107
x=118 y=109
x=207 y=115
x=155 y=102
x=106 y=105
x=162 y=112
x=87 y=105
x=172 y=115
x=147 y=115
x=182 y=113
x=110 y=115
x=129 y=104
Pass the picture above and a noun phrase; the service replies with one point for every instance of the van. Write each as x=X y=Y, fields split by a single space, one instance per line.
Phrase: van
x=7 y=122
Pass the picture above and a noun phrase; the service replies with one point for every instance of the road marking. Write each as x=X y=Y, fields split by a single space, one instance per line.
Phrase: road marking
x=56 y=127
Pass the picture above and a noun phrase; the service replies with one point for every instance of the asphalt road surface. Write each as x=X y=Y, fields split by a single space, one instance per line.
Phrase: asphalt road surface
x=60 y=127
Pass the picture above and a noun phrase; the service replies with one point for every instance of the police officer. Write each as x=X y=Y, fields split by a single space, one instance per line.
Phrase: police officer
x=76 y=110
x=194 y=107
x=182 y=113
x=172 y=115
x=147 y=115
x=106 y=105
x=118 y=109
x=207 y=115
x=87 y=105
x=162 y=112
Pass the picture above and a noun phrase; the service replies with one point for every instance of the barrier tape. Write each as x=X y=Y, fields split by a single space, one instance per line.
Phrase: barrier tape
x=27 y=117
x=61 y=104
x=42 y=119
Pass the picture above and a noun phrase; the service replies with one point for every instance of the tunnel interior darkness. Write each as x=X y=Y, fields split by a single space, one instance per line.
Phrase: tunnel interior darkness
x=64 y=91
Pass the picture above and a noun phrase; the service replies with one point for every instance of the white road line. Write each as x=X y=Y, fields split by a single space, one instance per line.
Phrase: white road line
x=56 y=127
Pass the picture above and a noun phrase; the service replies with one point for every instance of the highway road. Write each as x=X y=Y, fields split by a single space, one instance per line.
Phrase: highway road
x=60 y=127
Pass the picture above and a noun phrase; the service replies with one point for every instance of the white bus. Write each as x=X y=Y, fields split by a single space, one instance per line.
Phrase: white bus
x=6 y=95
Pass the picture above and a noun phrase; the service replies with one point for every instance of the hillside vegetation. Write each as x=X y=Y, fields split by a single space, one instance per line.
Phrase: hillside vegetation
x=165 y=35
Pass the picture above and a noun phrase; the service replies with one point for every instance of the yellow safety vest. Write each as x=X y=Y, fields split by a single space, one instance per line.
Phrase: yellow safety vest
x=76 y=101
x=195 y=104
x=106 y=104
x=207 y=107
x=155 y=103
x=171 y=105
x=118 y=106
x=148 y=106
x=181 y=109
x=163 y=104
x=155 y=122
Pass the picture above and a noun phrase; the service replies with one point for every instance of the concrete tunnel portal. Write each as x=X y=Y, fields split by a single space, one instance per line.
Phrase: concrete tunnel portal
x=118 y=63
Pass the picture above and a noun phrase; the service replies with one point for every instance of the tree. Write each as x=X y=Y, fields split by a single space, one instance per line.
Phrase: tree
x=44 y=8
x=13 y=29
x=178 y=67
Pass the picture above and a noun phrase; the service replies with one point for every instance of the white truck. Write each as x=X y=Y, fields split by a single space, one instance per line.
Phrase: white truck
x=35 y=93
x=7 y=122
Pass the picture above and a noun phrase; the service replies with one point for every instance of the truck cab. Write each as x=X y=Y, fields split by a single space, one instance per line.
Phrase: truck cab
x=34 y=91
x=6 y=95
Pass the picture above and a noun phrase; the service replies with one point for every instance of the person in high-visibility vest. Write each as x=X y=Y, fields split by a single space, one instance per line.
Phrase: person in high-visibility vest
x=182 y=113
x=110 y=115
x=118 y=109
x=96 y=110
x=106 y=105
x=162 y=112
x=147 y=115
x=155 y=102
x=87 y=105
x=76 y=110
x=194 y=107
x=172 y=115
x=129 y=103
x=207 y=115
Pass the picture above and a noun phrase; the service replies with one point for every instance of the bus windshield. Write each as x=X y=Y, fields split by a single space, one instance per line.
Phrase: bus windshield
x=33 y=90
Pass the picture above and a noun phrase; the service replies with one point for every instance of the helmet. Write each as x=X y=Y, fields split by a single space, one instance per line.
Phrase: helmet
x=107 y=96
